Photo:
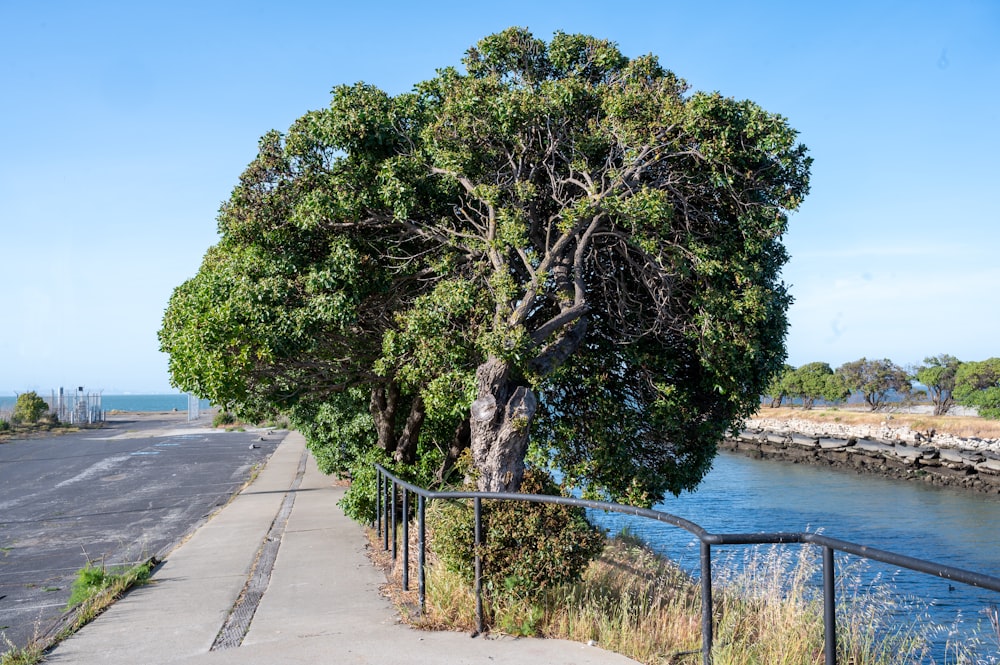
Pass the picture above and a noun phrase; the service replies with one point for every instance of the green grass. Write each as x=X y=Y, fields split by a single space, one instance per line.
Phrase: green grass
x=95 y=588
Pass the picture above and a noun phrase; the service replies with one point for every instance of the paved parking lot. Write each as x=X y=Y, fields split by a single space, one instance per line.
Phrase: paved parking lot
x=120 y=494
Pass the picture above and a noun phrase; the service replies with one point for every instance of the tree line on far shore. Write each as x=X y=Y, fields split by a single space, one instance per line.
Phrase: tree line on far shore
x=945 y=379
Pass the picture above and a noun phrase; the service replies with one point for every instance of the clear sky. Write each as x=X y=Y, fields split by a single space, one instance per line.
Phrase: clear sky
x=124 y=125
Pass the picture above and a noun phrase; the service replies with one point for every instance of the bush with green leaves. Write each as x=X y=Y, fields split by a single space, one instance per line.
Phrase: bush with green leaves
x=223 y=419
x=29 y=408
x=977 y=384
x=529 y=548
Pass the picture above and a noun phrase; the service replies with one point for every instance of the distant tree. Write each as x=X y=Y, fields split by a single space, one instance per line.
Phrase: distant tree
x=29 y=408
x=815 y=381
x=938 y=374
x=977 y=384
x=875 y=380
x=777 y=389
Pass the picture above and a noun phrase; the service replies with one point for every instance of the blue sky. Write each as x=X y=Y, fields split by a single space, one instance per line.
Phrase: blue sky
x=123 y=126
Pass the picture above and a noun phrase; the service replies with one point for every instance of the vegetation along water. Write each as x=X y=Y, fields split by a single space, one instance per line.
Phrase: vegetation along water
x=953 y=527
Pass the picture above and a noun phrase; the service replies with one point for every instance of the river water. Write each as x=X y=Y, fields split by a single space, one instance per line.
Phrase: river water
x=745 y=495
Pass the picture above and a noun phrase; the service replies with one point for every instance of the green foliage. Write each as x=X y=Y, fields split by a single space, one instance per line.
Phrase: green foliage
x=612 y=239
x=777 y=389
x=977 y=384
x=4 y=425
x=223 y=419
x=340 y=434
x=92 y=579
x=28 y=408
x=938 y=374
x=875 y=379
x=529 y=548
x=815 y=381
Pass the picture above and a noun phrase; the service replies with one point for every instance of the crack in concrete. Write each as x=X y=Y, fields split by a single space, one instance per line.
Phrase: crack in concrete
x=238 y=622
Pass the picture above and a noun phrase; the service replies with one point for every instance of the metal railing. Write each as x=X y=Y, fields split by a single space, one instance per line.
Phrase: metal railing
x=389 y=487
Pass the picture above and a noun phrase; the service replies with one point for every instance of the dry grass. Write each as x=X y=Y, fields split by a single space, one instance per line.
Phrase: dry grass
x=634 y=602
x=960 y=426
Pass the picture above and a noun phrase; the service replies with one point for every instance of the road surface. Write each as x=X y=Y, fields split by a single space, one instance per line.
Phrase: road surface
x=115 y=495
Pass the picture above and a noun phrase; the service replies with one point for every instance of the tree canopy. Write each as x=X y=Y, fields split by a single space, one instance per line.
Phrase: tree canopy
x=938 y=374
x=559 y=248
x=814 y=381
x=977 y=384
x=875 y=380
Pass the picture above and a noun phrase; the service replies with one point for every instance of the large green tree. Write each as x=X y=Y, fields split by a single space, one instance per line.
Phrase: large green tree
x=815 y=381
x=876 y=380
x=557 y=245
x=977 y=384
x=777 y=389
x=938 y=374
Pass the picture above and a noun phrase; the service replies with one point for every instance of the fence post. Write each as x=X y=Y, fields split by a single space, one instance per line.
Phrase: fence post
x=706 y=603
x=421 y=554
x=394 y=547
x=830 y=605
x=406 y=539
x=478 y=510
x=385 y=515
x=378 y=503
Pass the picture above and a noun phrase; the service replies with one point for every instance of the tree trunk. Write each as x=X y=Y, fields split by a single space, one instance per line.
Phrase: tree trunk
x=458 y=444
x=406 y=447
x=499 y=427
x=383 y=411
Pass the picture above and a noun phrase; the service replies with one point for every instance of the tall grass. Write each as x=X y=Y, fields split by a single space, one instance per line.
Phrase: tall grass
x=768 y=610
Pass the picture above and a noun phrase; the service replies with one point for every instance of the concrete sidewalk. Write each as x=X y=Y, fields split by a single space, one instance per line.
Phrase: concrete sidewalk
x=321 y=603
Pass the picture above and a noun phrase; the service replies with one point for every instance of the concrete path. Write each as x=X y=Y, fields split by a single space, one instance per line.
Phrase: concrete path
x=321 y=604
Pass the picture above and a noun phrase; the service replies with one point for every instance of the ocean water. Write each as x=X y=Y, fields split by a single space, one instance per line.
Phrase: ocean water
x=137 y=403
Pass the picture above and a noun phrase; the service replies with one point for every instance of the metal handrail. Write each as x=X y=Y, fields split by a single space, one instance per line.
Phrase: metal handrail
x=389 y=485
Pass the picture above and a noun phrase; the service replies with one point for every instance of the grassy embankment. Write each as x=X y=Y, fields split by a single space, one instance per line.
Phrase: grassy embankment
x=960 y=426
x=634 y=602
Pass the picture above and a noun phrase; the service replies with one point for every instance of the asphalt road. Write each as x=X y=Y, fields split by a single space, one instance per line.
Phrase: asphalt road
x=120 y=494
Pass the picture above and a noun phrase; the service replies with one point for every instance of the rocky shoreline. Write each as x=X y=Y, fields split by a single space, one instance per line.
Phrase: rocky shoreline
x=885 y=450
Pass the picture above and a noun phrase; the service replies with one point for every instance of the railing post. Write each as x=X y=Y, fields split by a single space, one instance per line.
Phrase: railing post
x=421 y=554
x=706 y=603
x=830 y=605
x=378 y=503
x=478 y=510
x=385 y=515
x=406 y=539
x=394 y=547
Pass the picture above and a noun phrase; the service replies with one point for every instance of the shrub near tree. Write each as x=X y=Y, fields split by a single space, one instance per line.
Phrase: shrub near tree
x=977 y=384
x=29 y=408
x=875 y=380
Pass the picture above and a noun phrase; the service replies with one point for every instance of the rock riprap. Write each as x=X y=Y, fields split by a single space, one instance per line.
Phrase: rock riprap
x=886 y=449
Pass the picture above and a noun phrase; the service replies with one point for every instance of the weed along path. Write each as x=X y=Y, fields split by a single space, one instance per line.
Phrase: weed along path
x=116 y=495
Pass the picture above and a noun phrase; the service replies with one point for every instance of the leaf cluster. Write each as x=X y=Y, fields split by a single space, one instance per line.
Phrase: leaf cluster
x=875 y=379
x=528 y=549
x=28 y=408
x=977 y=384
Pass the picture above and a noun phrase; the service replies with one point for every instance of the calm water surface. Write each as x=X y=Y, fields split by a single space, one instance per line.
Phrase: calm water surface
x=742 y=495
